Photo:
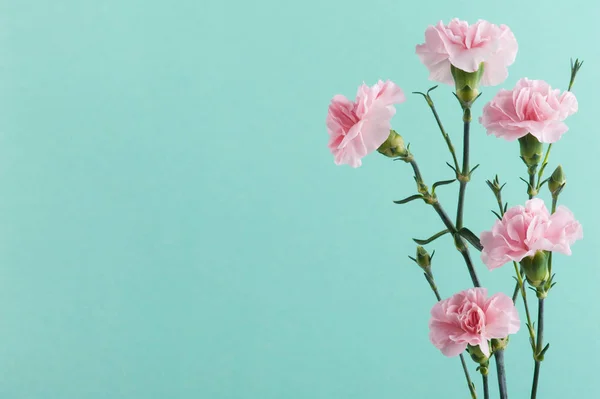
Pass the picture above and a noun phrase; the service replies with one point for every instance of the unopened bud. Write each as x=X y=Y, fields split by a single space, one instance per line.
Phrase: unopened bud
x=531 y=150
x=536 y=269
x=466 y=83
x=423 y=258
x=394 y=146
x=495 y=185
x=557 y=181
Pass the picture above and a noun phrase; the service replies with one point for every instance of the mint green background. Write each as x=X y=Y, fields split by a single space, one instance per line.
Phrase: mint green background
x=173 y=226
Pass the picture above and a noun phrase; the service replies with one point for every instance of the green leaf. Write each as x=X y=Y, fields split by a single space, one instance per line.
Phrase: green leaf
x=545 y=349
x=432 y=238
x=471 y=237
x=498 y=216
x=432 y=89
x=441 y=183
x=544 y=182
x=408 y=199
x=526 y=182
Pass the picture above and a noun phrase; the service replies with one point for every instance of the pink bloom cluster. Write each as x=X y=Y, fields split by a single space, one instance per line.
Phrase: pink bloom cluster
x=467 y=47
x=525 y=230
x=471 y=318
x=531 y=107
x=360 y=127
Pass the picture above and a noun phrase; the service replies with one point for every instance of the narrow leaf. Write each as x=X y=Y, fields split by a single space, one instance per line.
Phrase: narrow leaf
x=498 y=216
x=432 y=238
x=471 y=237
x=545 y=349
x=408 y=199
x=441 y=183
x=432 y=89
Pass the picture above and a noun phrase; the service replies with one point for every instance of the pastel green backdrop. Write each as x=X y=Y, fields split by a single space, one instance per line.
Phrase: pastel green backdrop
x=173 y=226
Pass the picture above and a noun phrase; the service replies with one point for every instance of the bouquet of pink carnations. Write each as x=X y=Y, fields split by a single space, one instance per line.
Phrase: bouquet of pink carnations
x=470 y=56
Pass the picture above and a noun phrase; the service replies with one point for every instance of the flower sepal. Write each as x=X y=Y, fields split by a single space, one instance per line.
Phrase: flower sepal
x=393 y=146
x=531 y=150
x=536 y=269
x=467 y=84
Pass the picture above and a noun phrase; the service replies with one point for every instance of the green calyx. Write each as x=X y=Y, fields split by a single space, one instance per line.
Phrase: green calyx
x=536 y=269
x=531 y=150
x=393 y=146
x=467 y=83
x=477 y=355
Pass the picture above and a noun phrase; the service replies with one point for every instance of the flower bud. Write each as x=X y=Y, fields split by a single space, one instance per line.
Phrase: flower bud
x=557 y=181
x=394 y=146
x=466 y=83
x=423 y=258
x=531 y=150
x=536 y=268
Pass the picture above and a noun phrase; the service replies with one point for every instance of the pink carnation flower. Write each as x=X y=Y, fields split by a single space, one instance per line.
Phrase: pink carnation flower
x=531 y=107
x=466 y=47
x=525 y=230
x=360 y=127
x=471 y=318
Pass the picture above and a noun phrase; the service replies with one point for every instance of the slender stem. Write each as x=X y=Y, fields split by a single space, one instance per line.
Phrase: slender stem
x=499 y=355
x=460 y=243
x=486 y=389
x=538 y=348
x=415 y=167
x=544 y=163
x=531 y=191
x=554 y=203
x=444 y=134
x=516 y=292
x=464 y=175
x=521 y=286
x=431 y=281
x=469 y=382
x=536 y=377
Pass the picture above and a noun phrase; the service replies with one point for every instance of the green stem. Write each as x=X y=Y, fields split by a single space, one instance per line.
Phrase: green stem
x=416 y=169
x=431 y=281
x=499 y=356
x=531 y=190
x=486 y=389
x=544 y=163
x=538 y=348
x=459 y=242
x=521 y=286
x=444 y=134
x=464 y=173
